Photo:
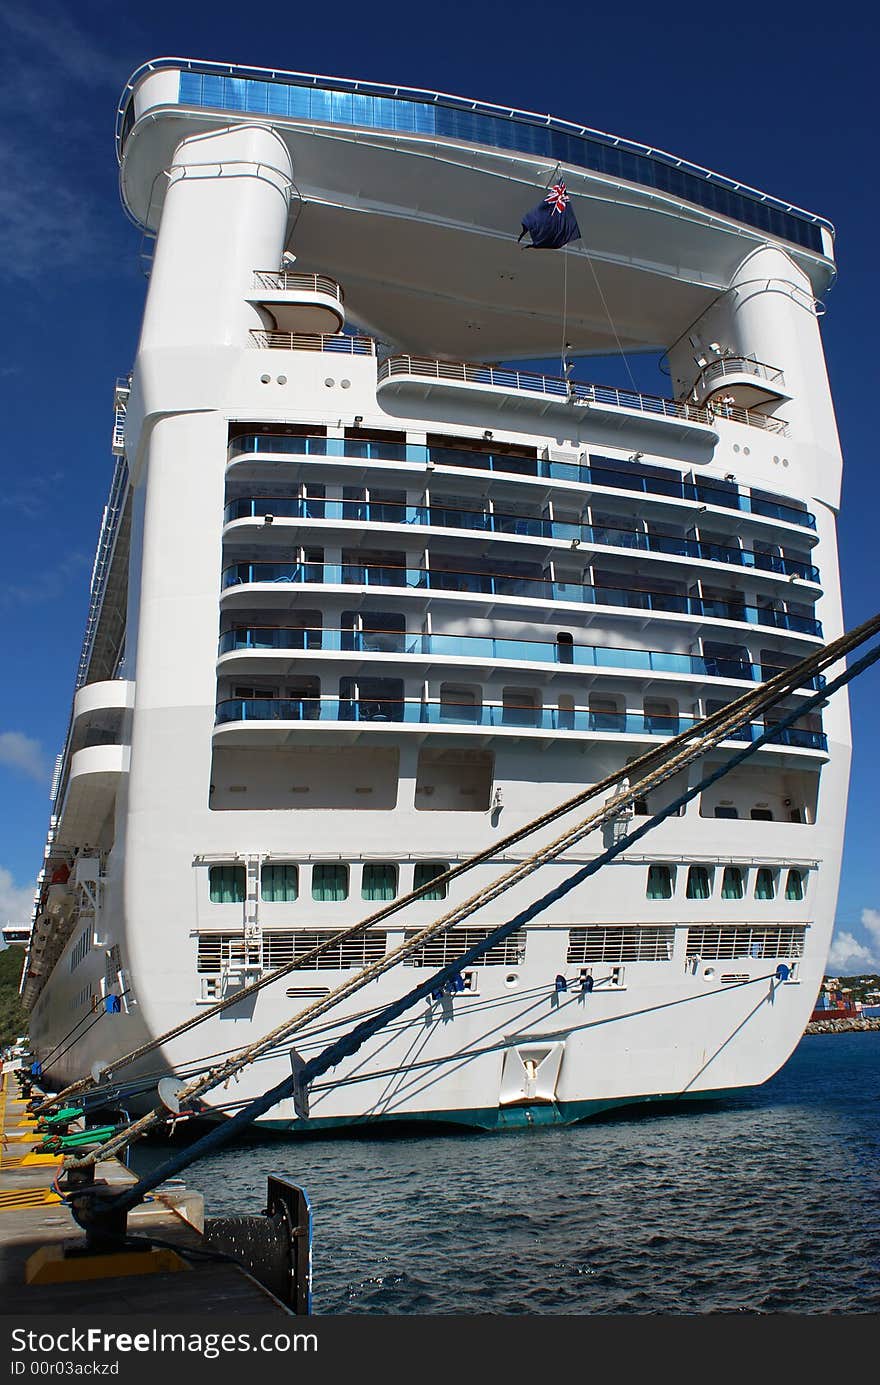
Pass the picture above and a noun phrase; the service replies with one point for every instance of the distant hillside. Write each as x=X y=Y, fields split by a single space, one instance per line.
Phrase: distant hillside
x=13 y=1019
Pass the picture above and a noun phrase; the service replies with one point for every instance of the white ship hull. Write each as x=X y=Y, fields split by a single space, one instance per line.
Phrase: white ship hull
x=447 y=598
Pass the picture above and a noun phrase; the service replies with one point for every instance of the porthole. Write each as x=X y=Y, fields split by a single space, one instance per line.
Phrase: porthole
x=747 y=452
x=736 y=447
x=329 y=382
x=282 y=379
x=511 y=979
x=345 y=384
x=264 y=379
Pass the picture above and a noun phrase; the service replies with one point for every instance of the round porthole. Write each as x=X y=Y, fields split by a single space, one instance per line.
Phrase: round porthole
x=264 y=379
x=329 y=382
x=345 y=384
x=709 y=974
x=511 y=979
x=282 y=379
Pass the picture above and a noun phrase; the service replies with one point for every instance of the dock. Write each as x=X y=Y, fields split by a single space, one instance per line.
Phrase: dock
x=36 y=1227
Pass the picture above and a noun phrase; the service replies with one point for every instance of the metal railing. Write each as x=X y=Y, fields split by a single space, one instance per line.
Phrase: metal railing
x=556 y=386
x=726 y=366
x=573 y=392
x=309 y=341
x=511 y=584
x=283 y=282
x=591 y=473
x=523 y=526
x=403 y=711
x=267 y=638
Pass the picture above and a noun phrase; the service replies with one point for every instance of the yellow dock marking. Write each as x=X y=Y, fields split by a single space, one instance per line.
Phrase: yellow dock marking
x=19 y=1199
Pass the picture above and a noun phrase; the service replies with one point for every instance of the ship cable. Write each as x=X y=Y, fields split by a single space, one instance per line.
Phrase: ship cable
x=731 y=715
x=610 y=811
x=296 y=1084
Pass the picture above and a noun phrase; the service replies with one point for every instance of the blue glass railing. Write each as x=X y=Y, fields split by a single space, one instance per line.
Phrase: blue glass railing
x=592 y=473
x=408 y=712
x=370 y=105
x=483 y=647
x=439 y=516
x=501 y=584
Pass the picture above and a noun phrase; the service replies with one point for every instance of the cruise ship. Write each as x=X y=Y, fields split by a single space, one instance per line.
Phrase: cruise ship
x=375 y=586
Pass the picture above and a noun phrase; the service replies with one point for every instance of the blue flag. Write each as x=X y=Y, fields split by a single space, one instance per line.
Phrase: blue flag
x=552 y=223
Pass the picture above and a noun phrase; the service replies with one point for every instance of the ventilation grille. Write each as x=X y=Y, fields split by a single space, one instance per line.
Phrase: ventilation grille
x=219 y=951
x=734 y=978
x=620 y=944
x=448 y=947
x=723 y=944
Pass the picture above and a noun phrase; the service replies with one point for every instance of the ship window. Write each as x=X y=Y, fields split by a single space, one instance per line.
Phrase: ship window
x=459 y=703
x=604 y=715
x=764 y=884
x=329 y=882
x=699 y=882
x=279 y=882
x=379 y=880
x=794 y=885
x=732 y=883
x=226 y=884
x=520 y=706
x=659 y=882
x=761 y=814
x=429 y=870
x=726 y=810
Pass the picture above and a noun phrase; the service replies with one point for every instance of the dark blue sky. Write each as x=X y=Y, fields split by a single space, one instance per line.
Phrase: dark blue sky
x=779 y=100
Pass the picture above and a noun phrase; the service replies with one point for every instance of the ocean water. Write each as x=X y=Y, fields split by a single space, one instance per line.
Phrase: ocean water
x=766 y=1201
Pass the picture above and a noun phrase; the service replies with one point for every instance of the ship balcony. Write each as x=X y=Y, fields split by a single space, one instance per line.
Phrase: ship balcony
x=261 y=514
x=94 y=778
x=313 y=341
x=738 y=382
x=248 y=721
x=260 y=454
x=246 y=650
x=485 y=590
x=100 y=711
x=418 y=377
x=311 y=304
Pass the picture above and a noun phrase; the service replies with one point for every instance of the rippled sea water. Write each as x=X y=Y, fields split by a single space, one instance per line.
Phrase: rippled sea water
x=765 y=1201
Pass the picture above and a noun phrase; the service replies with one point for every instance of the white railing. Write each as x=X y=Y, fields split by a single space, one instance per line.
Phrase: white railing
x=738 y=365
x=575 y=392
x=282 y=282
x=307 y=341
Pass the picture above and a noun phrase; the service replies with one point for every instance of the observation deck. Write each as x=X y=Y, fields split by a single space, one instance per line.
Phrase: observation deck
x=415 y=200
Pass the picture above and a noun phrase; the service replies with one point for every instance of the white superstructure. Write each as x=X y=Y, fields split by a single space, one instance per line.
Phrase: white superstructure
x=365 y=602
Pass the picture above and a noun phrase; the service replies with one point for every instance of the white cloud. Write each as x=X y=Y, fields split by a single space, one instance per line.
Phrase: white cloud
x=21 y=752
x=851 y=955
x=16 y=901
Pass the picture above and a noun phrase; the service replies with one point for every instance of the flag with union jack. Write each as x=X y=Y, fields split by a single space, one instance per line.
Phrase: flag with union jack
x=552 y=223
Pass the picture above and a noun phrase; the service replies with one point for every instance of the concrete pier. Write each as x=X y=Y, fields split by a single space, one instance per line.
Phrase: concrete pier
x=36 y=1226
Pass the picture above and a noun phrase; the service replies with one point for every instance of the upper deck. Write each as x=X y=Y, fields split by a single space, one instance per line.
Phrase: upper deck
x=414 y=199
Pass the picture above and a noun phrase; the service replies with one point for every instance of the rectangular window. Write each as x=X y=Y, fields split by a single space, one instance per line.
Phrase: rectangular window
x=764 y=884
x=724 y=944
x=659 y=882
x=620 y=943
x=699 y=883
x=279 y=882
x=732 y=883
x=426 y=871
x=379 y=880
x=226 y=884
x=448 y=947
x=794 y=885
x=330 y=883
